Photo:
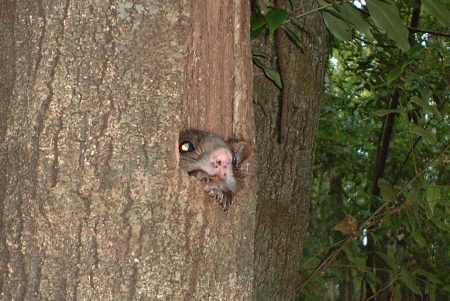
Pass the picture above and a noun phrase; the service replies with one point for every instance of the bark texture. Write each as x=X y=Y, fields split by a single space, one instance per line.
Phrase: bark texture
x=93 y=205
x=219 y=84
x=285 y=170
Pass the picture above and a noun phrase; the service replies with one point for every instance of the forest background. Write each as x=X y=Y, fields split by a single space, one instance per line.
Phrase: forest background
x=379 y=221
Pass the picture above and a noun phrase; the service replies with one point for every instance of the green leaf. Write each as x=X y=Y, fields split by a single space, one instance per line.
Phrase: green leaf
x=417 y=49
x=257 y=21
x=430 y=276
x=261 y=54
x=351 y=14
x=412 y=219
x=358 y=261
x=293 y=35
x=421 y=102
x=394 y=74
x=433 y=195
x=275 y=18
x=389 y=193
x=397 y=291
x=338 y=28
x=396 y=221
x=430 y=290
x=390 y=260
x=413 y=196
x=424 y=133
x=419 y=238
x=446 y=288
x=410 y=280
x=384 y=112
x=257 y=26
x=436 y=112
x=273 y=75
x=439 y=10
x=386 y=16
x=441 y=225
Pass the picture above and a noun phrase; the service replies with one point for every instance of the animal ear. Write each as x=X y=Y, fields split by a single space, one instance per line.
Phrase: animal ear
x=242 y=150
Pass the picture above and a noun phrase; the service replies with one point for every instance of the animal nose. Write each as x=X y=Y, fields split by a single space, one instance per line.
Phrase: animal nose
x=221 y=159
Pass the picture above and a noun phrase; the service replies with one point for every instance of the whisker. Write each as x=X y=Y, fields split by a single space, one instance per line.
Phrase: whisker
x=216 y=182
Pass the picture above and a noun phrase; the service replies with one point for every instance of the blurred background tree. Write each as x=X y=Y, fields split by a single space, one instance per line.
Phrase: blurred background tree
x=382 y=161
x=379 y=215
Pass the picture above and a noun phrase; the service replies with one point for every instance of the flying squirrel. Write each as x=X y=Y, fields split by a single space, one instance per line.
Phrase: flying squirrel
x=214 y=162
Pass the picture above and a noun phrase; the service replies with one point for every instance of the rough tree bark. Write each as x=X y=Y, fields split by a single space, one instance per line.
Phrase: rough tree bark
x=93 y=205
x=285 y=170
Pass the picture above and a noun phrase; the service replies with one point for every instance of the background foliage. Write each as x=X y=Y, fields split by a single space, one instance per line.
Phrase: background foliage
x=379 y=228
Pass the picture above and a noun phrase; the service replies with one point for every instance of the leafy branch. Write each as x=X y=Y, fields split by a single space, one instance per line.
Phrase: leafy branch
x=374 y=218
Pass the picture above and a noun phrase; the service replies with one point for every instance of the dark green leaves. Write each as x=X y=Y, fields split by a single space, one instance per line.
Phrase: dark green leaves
x=258 y=24
x=295 y=38
x=384 y=112
x=409 y=220
x=342 y=19
x=350 y=13
x=272 y=20
x=269 y=22
x=386 y=16
x=272 y=74
x=338 y=27
x=389 y=193
x=425 y=133
x=275 y=18
x=425 y=106
x=394 y=74
x=439 y=10
x=408 y=278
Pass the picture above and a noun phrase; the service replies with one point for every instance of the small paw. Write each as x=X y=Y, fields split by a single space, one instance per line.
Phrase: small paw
x=218 y=196
x=211 y=187
x=205 y=180
x=226 y=202
x=215 y=192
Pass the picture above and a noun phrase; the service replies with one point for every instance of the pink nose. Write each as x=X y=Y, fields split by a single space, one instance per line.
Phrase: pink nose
x=220 y=159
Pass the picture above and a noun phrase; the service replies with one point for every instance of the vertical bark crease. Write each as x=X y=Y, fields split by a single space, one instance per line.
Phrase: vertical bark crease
x=135 y=274
x=55 y=164
x=78 y=251
x=20 y=261
x=39 y=56
x=125 y=220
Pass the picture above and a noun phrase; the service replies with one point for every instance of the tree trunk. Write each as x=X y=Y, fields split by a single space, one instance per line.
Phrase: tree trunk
x=285 y=169
x=93 y=205
x=336 y=199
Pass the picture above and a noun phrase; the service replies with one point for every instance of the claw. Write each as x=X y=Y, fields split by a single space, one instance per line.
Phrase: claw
x=211 y=188
x=206 y=180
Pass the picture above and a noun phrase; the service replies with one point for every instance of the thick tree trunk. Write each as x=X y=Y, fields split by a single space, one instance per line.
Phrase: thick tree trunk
x=285 y=170
x=93 y=205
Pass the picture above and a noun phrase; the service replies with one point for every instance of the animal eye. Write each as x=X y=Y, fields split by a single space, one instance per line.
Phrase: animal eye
x=234 y=159
x=186 y=147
